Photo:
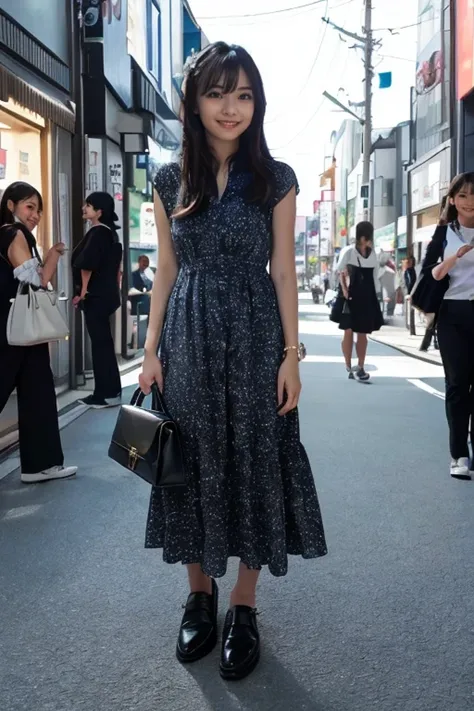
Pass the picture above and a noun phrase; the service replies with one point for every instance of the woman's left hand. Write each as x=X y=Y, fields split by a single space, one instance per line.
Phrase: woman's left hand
x=289 y=383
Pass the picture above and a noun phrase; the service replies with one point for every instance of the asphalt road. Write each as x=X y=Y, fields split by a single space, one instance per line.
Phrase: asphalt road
x=89 y=618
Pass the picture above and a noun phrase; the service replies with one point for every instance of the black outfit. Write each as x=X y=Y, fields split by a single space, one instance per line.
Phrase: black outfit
x=362 y=313
x=251 y=492
x=409 y=277
x=140 y=281
x=456 y=342
x=100 y=252
x=455 y=329
x=28 y=370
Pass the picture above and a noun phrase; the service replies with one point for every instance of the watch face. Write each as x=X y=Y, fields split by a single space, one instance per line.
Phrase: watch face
x=301 y=351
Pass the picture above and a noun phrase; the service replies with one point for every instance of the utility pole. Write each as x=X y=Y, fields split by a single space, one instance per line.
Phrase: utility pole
x=368 y=47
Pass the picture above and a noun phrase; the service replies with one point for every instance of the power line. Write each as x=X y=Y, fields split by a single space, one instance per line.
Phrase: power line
x=260 y=14
x=310 y=120
x=317 y=110
x=402 y=59
x=402 y=27
x=318 y=53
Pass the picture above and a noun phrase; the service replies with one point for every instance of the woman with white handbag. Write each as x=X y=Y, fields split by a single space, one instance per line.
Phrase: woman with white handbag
x=27 y=367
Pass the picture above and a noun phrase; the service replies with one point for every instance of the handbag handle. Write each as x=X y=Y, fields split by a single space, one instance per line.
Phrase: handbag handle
x=157 y=400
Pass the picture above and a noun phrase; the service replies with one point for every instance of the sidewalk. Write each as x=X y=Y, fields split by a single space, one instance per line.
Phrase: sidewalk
x=69 y=409
x=399 y=337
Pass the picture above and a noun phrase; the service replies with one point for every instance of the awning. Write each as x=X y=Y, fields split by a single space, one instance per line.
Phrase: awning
x=147 y=98
x=12 y=87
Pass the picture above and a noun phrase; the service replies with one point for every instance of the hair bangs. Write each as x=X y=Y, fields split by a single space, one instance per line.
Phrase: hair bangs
x=222 y=71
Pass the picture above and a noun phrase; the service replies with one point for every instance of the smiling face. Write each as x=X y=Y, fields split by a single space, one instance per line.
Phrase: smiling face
x=27 y=211
x=89 y=213
x=463 y=201
x=226 y=116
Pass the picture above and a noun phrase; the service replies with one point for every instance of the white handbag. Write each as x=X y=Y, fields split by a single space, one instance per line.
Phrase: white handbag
x=35 y=317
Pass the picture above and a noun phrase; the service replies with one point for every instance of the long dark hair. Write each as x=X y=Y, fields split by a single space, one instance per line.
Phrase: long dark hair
x=220 y=63
x=17 y=192
x=106 y=203
x=462 y=180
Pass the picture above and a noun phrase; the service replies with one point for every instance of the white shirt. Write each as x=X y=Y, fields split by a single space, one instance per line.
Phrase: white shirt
x=349 y=256
x=461 y=276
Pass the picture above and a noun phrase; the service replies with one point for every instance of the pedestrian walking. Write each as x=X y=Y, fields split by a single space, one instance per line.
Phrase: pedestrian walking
x=454 y=245
x=357 y=308
x=227 y=333
x=27 y=368
x=96 y=266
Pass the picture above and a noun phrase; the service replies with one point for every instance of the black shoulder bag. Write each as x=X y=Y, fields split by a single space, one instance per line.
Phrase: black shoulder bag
x=427 y=294
x=148 y=443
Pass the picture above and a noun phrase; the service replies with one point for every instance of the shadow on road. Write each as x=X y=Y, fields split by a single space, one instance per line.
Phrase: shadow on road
x=270 y=688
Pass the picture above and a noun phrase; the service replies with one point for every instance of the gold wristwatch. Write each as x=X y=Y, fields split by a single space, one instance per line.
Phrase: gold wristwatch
x=300 y=350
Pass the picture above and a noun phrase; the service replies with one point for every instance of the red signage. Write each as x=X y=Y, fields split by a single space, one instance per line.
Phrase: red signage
x=464 y=46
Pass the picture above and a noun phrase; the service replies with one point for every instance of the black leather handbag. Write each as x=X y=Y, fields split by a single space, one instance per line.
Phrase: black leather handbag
x=147 y=442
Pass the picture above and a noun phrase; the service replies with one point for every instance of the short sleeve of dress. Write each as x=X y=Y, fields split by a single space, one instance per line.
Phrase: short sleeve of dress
x=285 y=179
x=167 y=184
x=96 y=247
x=344 y=259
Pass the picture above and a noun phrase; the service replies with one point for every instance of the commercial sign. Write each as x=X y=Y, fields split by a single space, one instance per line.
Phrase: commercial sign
x=384 y=238
x=402 y=229
x=425 y=185
x=464 y=46
x=429 y=73
x=136 y=33
x=326 y=228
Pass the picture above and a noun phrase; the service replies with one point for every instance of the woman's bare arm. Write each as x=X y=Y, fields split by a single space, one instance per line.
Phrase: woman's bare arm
x=282 y=266
x=19 y=252
x=164 y=280
x=344 y=281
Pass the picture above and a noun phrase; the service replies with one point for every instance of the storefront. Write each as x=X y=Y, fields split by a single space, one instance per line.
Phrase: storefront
x=36 y=126
x=465 y=83
x=402 y=233
x=384 y=239
x=429 y=182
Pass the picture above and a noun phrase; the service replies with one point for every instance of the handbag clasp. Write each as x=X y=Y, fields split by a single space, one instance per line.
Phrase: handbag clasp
x=132 y=458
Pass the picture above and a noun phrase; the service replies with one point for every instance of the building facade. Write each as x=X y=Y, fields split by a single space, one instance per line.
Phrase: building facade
x=134 y=53
x=434 y=122
x=37 y=122
x=464 y=78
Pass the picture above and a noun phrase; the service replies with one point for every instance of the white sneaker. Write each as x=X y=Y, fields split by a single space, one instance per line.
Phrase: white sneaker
x=460 y=468
x=48 y=474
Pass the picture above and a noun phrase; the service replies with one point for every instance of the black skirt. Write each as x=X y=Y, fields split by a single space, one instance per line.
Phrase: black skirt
x=362 y=313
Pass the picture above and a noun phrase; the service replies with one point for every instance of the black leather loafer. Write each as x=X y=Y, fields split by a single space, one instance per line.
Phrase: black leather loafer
x=198 y=632
x=240 y=643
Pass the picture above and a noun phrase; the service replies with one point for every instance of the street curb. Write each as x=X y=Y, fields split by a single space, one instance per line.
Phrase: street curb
x=418 y=355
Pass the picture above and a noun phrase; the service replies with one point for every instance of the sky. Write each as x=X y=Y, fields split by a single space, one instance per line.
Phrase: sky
x=300 y=56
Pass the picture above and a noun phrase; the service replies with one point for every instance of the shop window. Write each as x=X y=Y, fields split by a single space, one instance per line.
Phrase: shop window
x=154 y=40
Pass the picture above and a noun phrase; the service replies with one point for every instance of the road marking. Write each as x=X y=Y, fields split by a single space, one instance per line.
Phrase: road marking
x=396 y=366
x=427 y=388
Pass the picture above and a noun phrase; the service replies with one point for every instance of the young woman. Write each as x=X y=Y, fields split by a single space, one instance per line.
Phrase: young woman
x=227 y=334
x=28 y=368
x=95 y=265
x=455 y=323
x=361 y=313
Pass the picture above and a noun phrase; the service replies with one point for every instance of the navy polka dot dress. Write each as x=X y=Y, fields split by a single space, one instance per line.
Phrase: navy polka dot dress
x=251 y=492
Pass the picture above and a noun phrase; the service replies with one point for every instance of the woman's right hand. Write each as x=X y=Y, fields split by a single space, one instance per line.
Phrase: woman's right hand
x=464 y=250
x=57 y=249
x=152 y=372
